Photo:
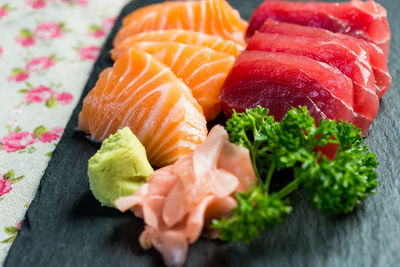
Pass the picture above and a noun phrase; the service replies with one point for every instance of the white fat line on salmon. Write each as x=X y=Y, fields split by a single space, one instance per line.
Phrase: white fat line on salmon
x=127 y=71
x=236 y=32
x=171 y=116
x=212 y=17
x=149 y=24
x=155 y=112
x=202 y=16
x=225 y=32
x=163 y=21
x=206 y=65
x=177 y=55
x=93 y=119
x=120 y=93
x=175 y=35
x=137 y=90
x=216 y=76
x=188 y=60
x=189 y=10
x=189 y=111
x=223 y=18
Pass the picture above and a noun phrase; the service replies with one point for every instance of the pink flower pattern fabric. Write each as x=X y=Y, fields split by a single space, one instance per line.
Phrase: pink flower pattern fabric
x=5 y=186
x=47 y=50
x=36 y=4
x=25 y=38
x=48 y=30
x=52 y=135
x=38 y=94
x=4 y=9
x=40 y=63
x=89 y=52
x=16 y=141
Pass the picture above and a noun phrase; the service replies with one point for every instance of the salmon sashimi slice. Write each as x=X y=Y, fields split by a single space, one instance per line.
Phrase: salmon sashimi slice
x=214 y=17
x=143 y=94
x=181 y=36
x=280 y=81
x=377 y=58
x=180 y=200
x=366 y=20
x=202 y=69
x=355 y=66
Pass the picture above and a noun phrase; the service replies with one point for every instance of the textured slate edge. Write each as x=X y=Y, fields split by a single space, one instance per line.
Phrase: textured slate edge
x=65 y=226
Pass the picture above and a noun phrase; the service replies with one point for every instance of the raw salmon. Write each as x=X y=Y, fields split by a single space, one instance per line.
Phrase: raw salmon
x=145 y=95
x=181 y=36
x=179 y=200
x=366 y=20
x=202 y=69
x=214 y=17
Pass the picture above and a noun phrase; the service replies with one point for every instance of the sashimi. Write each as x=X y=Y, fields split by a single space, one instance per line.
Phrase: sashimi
x=366 y=20
x=180 y=200
x=202 y=69
x=378 y=62
x=279 y=81
x=143 y=94
x=214 y=17
x=181 y=36
x=355 y=66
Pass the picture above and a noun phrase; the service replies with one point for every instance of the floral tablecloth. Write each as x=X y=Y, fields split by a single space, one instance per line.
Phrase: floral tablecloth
x=47 y=49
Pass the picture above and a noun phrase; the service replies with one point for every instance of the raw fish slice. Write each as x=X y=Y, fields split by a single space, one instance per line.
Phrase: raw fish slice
x=365 y=100
x=202 y=69
x=377 y=58
x=214 y=17
x=280 y=81
x=180 y=200
x=366 y=20
x=181 y=36
x=145 y=95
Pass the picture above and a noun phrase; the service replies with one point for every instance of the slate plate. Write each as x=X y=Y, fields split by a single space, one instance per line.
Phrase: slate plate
x=66 y=226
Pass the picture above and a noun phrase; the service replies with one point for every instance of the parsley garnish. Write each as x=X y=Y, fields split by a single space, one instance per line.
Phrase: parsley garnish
x=333 y=186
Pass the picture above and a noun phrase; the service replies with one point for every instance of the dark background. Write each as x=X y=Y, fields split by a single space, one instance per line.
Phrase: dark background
x=66 y=226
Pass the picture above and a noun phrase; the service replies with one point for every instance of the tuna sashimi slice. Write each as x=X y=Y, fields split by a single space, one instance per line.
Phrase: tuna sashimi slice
x=202 y=69
x=354 y=66
x=378 y=62
x=214 y=17
x=181 y=36
x=179 y=201
x=279 y=81
x=145 y=95
x=366 y=20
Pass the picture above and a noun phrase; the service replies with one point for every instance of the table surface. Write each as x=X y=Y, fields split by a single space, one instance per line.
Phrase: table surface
x=66 y=226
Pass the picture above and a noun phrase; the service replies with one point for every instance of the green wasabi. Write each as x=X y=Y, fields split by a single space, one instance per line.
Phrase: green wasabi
x=119 y=168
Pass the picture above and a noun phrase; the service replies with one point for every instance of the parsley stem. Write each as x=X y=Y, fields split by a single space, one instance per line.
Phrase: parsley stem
x=253 y=162
x=289 y=188
x=269 y=176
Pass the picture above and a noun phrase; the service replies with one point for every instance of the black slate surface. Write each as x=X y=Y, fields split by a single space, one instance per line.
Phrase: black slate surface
x=66 y=226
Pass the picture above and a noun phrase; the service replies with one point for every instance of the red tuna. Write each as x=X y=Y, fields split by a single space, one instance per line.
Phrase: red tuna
x=366 y=20
x=279 y=81
x=378 y=63
x=365 y=100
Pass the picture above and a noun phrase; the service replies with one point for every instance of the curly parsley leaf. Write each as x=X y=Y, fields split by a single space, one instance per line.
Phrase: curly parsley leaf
x=255 y=212
x=333 y=186
x=338 y=186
